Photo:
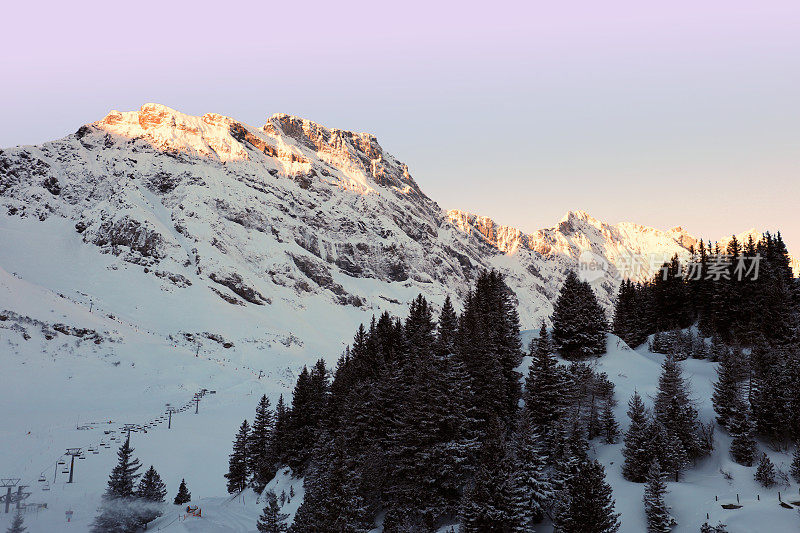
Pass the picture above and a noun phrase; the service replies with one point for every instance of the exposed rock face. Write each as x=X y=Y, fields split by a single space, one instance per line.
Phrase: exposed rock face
x=290 y=211
x=577 y=232
x=282 y=211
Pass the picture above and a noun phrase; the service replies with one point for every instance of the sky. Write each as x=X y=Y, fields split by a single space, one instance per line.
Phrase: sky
x=682 y=113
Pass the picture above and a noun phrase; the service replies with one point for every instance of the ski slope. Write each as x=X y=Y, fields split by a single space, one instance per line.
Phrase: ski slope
x=49 y=393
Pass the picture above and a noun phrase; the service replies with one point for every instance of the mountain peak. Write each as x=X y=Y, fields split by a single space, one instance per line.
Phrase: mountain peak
x=170 y=130
x=292 y=146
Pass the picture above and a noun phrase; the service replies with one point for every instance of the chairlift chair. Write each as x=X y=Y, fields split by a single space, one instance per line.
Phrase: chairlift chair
x=46 y=486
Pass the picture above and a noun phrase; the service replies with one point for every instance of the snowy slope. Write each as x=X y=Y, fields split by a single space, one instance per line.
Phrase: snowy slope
x=694 y=496
x=152 y=254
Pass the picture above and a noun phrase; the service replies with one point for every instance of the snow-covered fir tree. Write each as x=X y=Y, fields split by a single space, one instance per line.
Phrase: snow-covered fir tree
x=668 y=450
x=121 y=511
x=636 y=450
x=183 y=495
x=655 y=508
x=608 y=424
x=332 y=499
x=280 y=433
x=151 y=492
x=17 y=524
x=587 y=504
x=272 y=520
x=727 y=391
x=625 y=323
x=151 y=487
x=579 y=323
x=531 y=476
x=489 y=505
x=544 y=392
x=675 y=409
x=122 y=481
x=765 y=473
x=743 y=445
x=238 y=471
x=259 y=451
x=447 y=329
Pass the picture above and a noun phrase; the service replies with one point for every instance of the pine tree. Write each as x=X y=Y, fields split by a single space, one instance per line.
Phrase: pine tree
x=238 y=472
x=743 y=445
x=447 y=330
x=579 y=323
x=670 y=297
x=151 y=492
x=727 y=391
x=669 y=449
x=543 y=384
x=332 y=501
x=795 y=468
x=530 y=472
x=588 y=505
x=658 y=517
x=628 y=321
x=637 y=442
x=489 y=346
x=280 y=434
x=487 y=507
x=151 y=488
x=765 y=473
x=674 y=408
x=183 y=495
x=17 y=524
x=271 y=519
x=123 y=477
x=593 y=425
x=118 y=512
x=261 y=460
x=608 y=424
x=309 y=401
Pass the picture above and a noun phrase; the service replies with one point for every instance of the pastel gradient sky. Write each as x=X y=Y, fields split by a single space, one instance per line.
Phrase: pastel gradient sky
x=680 y=113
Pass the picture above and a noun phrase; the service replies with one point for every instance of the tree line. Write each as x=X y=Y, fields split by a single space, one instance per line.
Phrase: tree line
x=132 y=499
x=727 y=299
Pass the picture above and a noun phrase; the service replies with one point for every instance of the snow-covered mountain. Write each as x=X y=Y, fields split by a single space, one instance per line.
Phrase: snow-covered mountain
x=277 y=217
x=152 y=254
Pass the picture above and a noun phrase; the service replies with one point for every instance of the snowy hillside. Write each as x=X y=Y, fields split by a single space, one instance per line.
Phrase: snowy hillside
x=697 y=493
x=80 y=385
x=153 y=254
